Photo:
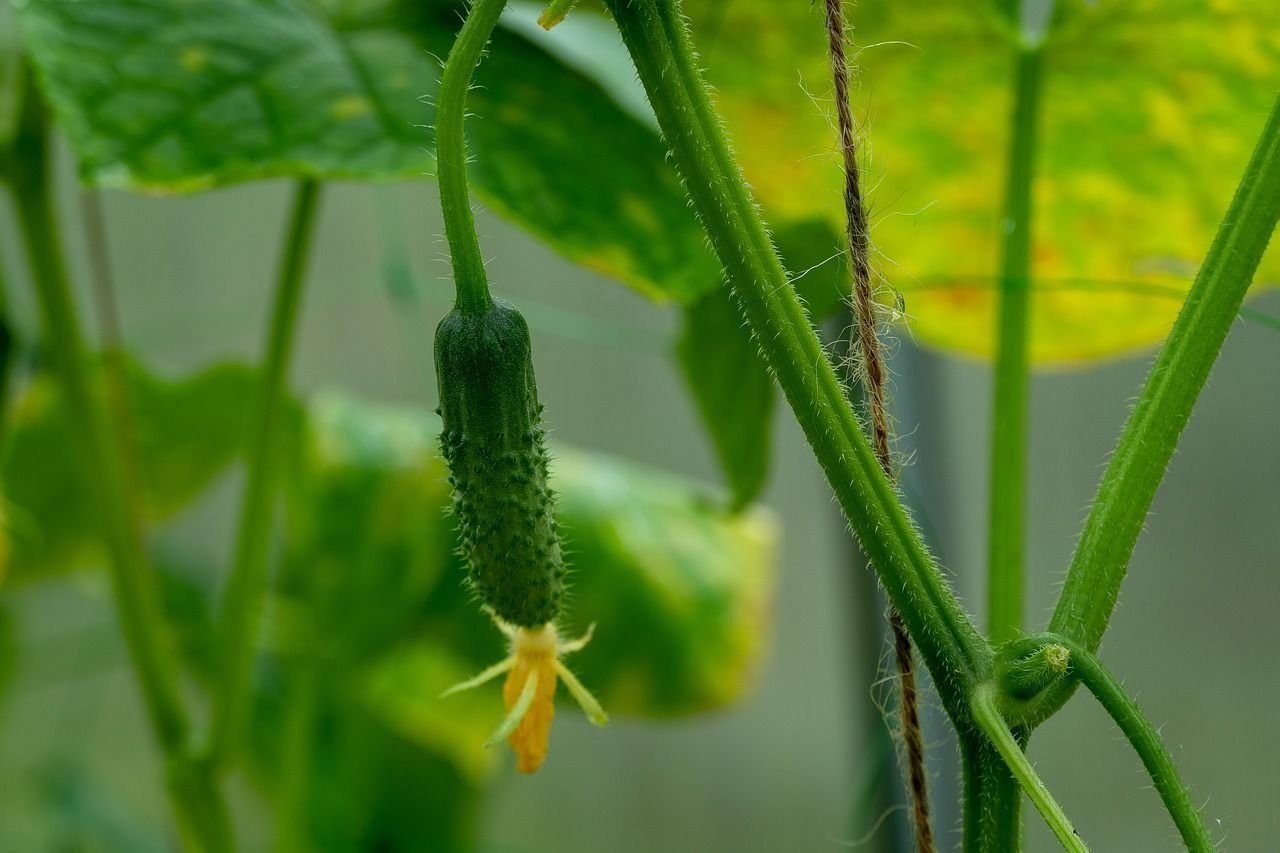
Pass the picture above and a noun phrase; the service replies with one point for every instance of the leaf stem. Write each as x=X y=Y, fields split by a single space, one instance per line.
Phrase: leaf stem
x=655 y=34
x=247 y=586
x=1152 y=432
x=1009 y=419
x=469 y=279
x=296 y=759
x=202 y=818
x=986 y=713
x=1142 y=735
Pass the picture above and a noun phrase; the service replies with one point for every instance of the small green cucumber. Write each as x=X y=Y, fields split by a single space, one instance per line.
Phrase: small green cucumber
x=494 y=444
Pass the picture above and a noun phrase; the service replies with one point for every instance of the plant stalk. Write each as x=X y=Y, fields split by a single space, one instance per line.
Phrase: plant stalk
x=986 y=714
x=201 y=818
x=247 y=586
x=1142 y=455
x=1085 y=666
x=656 y=36
x=992 y=799
x=1012 y=370
x=469 y=279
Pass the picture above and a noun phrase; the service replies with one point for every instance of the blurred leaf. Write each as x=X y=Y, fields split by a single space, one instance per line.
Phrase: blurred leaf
x=1150 y=112
x=189 y=608
x=722 y=366
x=179 y=96
x=403 y=690
x=733 y=390
x=368 y=535
x=369 y=787
x=11 y=78
x=679 y=587
x=186 y=433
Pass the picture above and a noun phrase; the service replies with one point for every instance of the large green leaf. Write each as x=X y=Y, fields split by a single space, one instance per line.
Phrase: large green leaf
x=175 y=96
x=1147 y=122
x=1149 y=114
x=185 y=433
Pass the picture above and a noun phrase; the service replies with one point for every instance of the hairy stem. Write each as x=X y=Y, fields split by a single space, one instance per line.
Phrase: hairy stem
x=1009 y=418
x=469 y=279
x=201 y=815
x=655 y=34
x=986 y=714
x=1152 y=432
x=992 y=817
x=858 y=236
x=1085 y=666
x=247 y=586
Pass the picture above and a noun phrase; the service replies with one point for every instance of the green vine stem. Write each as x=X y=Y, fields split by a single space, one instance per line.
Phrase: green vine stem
x=986 y=714
x=992 y=818
x=1152 y=432
x=1009 y=418
x=656 y=36
x=1079 y=662
x=469 y=279
x=198 y=805
x=247 y=587
x=297 y=757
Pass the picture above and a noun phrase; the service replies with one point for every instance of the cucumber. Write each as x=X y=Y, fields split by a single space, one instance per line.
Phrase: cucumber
x=494 y=444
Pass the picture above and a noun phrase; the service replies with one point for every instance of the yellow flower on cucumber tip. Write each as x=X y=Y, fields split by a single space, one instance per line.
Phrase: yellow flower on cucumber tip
x=532 y=668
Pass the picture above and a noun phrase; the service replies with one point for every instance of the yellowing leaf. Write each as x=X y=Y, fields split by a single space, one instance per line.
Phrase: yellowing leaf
x=1149 y=112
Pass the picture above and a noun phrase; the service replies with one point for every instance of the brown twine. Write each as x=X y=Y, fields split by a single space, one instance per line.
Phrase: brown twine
x=872 y=363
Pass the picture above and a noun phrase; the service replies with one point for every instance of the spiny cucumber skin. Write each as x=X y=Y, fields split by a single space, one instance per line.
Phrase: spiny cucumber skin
x=494 y=444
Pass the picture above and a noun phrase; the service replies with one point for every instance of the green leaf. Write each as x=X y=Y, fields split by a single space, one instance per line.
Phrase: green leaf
x=723 y=368
x=178 y=96
x=1151 y=111
x=403 y=690
x=679 y=589
x=186 y=432
x=732 y=388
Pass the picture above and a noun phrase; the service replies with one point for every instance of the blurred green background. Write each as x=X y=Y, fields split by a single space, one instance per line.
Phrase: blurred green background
x=784 y=769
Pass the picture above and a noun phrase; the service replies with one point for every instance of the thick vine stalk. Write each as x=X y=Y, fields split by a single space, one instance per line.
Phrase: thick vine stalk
x=656 y=36
x=858 y=234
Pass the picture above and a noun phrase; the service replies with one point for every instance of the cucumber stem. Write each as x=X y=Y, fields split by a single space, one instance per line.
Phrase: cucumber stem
x=469 y=280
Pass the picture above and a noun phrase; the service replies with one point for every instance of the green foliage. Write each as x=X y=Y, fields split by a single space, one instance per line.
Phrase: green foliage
x=186 y=433
x=343 y=91
x=732 y=388
x=724 y=370
x=1146 y=124
x=371 y=592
